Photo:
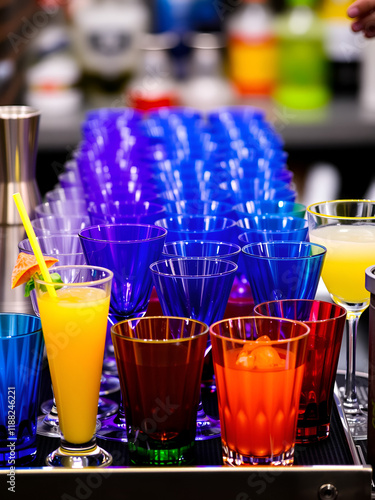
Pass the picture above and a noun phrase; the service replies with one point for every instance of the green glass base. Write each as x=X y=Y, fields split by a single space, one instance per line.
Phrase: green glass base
x=162 y=454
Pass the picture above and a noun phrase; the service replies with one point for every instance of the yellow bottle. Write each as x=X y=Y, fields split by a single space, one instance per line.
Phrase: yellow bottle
x=252 y=49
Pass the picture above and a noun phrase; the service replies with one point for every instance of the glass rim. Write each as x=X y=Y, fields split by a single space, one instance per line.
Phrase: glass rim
x=160 y=341
x=274 y=231
x=193 y=276
x=289 y=242
x=15 y=111
x=187 y=201
x=100 y=281
x=93 y=204
x=200 y=217
x=25 y=315
x=309 y=209
x=341 y=311
x=60 y=216
x=45 y=237
x=236 y=251
x=273 y=318
x=54 y=203
x=90 y=238
x=272 y=216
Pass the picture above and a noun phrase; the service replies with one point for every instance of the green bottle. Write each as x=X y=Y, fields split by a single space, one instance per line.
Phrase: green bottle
x=302 y=81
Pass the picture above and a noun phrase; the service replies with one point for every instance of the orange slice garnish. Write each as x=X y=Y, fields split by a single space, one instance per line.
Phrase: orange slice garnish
x=26 y=266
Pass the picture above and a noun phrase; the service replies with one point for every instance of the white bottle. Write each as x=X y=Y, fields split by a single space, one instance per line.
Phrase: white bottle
x=206 y=87
x=106 y=36
x=367 y=76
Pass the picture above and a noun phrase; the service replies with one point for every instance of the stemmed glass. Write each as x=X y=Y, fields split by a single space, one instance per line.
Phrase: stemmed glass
x=196 y=288
x=347 y=229
x=127 y=250
x=74 y=321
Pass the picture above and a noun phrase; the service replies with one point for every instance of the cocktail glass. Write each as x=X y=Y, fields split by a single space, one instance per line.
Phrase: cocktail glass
x=326 y=322
x=276 y=207
x=200 y=207
x=127 y=250
x=347 y=229
x=199 y=227
x=74 y=321
x=259 y=364
x=202 y=248
x=160 y=365
x=271 y=228
x=60 y=224
x=254 y=229
x=123 y=212
x=197 y=288
x=69 y=179
x=63 y=194
x=61 y=207
x=279 y=270
x=176 y=194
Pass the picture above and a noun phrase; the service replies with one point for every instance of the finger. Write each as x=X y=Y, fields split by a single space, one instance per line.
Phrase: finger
x=366 y=24
x=360 y=8
x=357 y=26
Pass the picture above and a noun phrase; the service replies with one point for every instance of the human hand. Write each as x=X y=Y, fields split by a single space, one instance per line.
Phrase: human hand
x=363 y=13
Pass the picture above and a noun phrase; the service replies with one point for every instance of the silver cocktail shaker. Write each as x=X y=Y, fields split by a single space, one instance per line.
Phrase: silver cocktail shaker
x=19 y=127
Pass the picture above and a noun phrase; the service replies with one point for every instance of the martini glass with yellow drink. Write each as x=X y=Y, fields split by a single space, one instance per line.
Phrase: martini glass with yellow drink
x=74 y=321
x=347 y=229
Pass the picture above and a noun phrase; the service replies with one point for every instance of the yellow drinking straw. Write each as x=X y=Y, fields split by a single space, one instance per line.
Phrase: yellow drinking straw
x=34 y=242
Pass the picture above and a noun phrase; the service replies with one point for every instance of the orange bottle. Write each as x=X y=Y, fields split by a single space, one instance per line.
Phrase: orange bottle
x=252 y=49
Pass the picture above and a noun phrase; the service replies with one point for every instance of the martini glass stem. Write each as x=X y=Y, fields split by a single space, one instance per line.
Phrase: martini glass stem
x=351 y=403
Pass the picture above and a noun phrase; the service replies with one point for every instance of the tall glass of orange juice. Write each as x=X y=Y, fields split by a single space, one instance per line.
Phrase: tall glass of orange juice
x=74 y=322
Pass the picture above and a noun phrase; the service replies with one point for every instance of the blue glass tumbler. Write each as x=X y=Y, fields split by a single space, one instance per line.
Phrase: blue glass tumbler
x=21 y=355
x=279 y=270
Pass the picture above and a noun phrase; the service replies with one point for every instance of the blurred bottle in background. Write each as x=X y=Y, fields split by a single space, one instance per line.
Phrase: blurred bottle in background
x=252 y=48
x=206 y=87
x=174 y=16
x=154 y=84
x=302 y=75
x=342 y=48
x=367 y=77
x=105 y=38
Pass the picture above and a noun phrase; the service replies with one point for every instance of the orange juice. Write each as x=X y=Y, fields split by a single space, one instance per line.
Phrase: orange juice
x=74 y=326
x=350 y=250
